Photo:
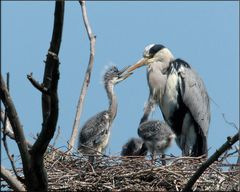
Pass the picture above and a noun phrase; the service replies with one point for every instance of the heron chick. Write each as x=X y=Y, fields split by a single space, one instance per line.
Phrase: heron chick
x=95 y=133
x=157 y=136
x=134 y=147
x=181 y=95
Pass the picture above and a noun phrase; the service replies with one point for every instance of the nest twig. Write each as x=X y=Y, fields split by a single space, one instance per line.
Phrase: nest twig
x=73 y=172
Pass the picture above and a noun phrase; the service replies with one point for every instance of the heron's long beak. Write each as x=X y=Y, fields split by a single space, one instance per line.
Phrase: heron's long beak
x=124 y=74
x=140 y=63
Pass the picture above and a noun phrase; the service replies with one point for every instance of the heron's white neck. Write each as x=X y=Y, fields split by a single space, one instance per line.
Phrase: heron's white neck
x=157 y=78
x=163 y=58
x=112 y=100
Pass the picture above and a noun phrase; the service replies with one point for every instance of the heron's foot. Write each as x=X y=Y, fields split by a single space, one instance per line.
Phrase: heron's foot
x=163 y=160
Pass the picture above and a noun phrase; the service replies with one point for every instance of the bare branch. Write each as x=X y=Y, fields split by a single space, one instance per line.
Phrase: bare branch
x=8 y=87
x=17 y=128
x=4 y=139
x=230 y=141
x=92 y=39
x=33 y=167
x=229 y=123
x=50 y=82
x=238 y=149
x=86 y=23
x=8 y=129
x=36 y=84
x=11 y=180
x=49 y=103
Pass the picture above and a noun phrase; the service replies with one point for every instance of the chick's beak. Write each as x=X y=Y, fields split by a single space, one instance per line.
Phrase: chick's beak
x=140 y=63
x=123 y=74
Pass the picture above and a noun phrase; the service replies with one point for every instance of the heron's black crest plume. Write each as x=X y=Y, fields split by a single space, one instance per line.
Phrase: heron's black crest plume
x=153 y=50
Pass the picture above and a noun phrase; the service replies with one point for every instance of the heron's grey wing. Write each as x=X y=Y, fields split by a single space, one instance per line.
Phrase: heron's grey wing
x=195 y=97
x=94 y=129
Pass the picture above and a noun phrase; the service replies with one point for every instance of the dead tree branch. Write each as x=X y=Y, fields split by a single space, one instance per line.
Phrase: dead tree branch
x=32 y=160
x=5 y=144
x=230 y=141
x=50 y=82
x=36 y=84
x=49 y=100
x=17 y=129
x=4 y=138
x=11 y=180
x=8 y=129
x=92 y=39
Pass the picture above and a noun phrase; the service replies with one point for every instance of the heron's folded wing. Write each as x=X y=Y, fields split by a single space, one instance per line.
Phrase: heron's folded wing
x=195 y=97
x=95 y=128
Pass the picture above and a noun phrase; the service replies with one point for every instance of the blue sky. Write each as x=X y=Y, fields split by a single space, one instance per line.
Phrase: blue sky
x=205 y=34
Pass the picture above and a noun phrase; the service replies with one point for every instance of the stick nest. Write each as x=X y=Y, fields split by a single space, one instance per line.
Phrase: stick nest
x=74 y=172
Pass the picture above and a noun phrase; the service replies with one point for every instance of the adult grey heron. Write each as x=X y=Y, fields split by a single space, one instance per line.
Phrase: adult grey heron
x=94 y=135
x=134 y=147
x=157 y=136
x=181 y=95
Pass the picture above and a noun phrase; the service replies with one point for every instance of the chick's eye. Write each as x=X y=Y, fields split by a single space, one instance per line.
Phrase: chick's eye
x=114 y=69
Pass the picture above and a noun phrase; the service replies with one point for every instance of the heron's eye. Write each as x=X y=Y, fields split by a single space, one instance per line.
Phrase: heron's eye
x=151 y=50
x=114 y=69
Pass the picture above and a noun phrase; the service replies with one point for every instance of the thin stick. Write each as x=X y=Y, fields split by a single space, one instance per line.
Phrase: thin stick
x=4 y=139
x=36 y=84
x=10 y=157
x=230 y=141
x=8 y=129
x=92 y=39
x=17 y=128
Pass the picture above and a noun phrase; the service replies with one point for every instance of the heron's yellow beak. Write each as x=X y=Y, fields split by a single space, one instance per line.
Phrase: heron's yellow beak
x=123 y=74
x=140 y=63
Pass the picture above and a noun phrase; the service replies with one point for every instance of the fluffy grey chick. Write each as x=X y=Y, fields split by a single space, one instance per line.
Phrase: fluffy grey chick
x=157 y=136
x=134 y=147
x=94 y=135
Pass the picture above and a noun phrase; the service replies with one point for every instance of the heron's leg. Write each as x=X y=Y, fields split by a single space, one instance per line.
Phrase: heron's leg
x=153 y=155
x=91 y=159
x=181 y=141
x=185 y=147
x=148 y=109
x=200 y=146
x=163 y=159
